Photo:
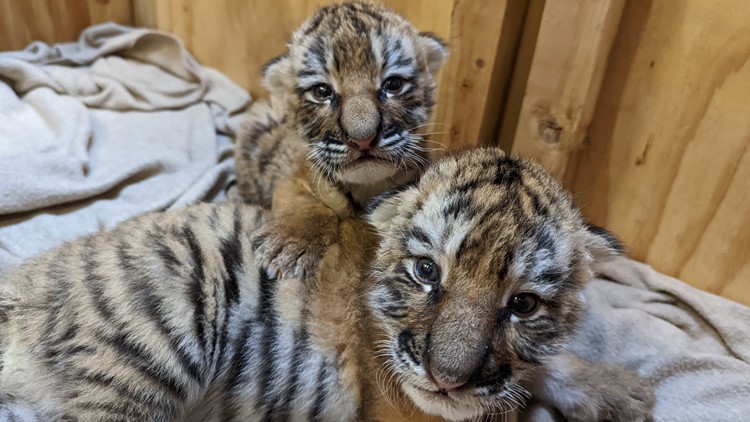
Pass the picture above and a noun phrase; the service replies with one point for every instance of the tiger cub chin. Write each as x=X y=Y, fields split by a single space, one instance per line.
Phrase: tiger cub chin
x=467 y=289
x=356 y=80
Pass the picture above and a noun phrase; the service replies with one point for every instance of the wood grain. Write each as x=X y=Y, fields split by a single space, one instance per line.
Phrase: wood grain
x=51 y=21
x=521 y=66
x=483 y=40
x=569 y=60
x=238 y=37
x=666 y=164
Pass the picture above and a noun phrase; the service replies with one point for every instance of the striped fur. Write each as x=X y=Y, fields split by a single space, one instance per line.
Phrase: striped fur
x=166 y=318
x=169 y=317
x=300 y=153
x=498 y=228
x=352 y=48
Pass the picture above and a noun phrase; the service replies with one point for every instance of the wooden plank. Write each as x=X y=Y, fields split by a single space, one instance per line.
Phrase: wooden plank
x=667 y=162
x=237 y=37
x=483 y=40
x=52 y=21
x=569 y=60
x=519 y=78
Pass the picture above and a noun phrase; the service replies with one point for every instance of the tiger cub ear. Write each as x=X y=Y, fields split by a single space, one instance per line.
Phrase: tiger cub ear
x=383 y=208
x=435 y=50
x=276 y=74
x=601 y=243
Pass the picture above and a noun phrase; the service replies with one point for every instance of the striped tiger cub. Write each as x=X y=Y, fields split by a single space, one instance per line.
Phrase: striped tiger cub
x=356 y=80
x=355 y=84
x=457 y=298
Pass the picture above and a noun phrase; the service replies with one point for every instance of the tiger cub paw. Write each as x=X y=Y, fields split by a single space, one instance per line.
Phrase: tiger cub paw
x=614 y=394
x=288 y=253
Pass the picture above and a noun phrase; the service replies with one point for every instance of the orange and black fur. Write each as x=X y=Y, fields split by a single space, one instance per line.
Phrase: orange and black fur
x=458 y=298
x=348 y=100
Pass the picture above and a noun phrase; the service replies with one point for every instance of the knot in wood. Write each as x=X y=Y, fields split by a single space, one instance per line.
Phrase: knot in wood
x=549 y=130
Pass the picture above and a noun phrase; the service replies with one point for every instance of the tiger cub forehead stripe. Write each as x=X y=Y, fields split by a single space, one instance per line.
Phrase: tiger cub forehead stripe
x=396 y=54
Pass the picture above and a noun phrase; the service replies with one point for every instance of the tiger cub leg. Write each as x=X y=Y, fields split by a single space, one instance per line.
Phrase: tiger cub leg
x=301 y=227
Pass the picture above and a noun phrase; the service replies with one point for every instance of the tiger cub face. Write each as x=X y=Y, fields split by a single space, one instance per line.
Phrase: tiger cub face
x=355 y=81
x=478 y=279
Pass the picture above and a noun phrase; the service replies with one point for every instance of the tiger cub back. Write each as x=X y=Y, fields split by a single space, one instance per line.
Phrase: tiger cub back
x=131 y=323
x=168 y=317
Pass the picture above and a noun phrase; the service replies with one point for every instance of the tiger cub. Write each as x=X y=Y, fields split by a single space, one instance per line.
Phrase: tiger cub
x=356 y=80
x=462 y=296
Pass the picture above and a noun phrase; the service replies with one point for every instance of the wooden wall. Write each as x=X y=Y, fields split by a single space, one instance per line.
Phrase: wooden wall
x=640 y=105
x=665 y=161
x=24 y=21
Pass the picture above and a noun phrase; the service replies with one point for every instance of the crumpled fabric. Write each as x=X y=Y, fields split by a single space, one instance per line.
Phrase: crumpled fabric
x=692 y=345
x=120 y=123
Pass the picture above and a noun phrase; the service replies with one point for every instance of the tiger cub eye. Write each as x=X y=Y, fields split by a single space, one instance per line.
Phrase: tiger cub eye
x=427 y=270
x=393 y=85
x=524 y=305
x=322 y=92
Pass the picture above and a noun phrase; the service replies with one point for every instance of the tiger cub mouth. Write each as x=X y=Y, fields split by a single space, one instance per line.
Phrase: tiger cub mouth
x=369 y=159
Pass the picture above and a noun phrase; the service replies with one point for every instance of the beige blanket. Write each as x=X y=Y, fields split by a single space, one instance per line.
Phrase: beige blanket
x=120 y=123
x=693 y=346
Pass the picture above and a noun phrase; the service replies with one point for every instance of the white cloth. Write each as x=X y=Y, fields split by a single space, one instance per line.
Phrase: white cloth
x=120 y=123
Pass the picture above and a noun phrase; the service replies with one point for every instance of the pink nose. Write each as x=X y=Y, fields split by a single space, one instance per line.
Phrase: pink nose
x=446 y=386
x=439 y=383
x=361 y=144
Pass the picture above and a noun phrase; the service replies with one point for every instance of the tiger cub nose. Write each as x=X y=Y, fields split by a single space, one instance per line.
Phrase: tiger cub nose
x=440 y=381
x=364 y=144
x=447 y=386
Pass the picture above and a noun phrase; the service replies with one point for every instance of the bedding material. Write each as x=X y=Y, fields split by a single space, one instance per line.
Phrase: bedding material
x=692 y=345
x=120 y=123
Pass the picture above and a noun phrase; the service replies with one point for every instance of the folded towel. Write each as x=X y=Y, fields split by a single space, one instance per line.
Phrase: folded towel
x=120 y=123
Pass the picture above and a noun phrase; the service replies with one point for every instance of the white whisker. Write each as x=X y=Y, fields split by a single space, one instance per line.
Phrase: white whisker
x=434 y=142
x=425 y=124
x=430 y=133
